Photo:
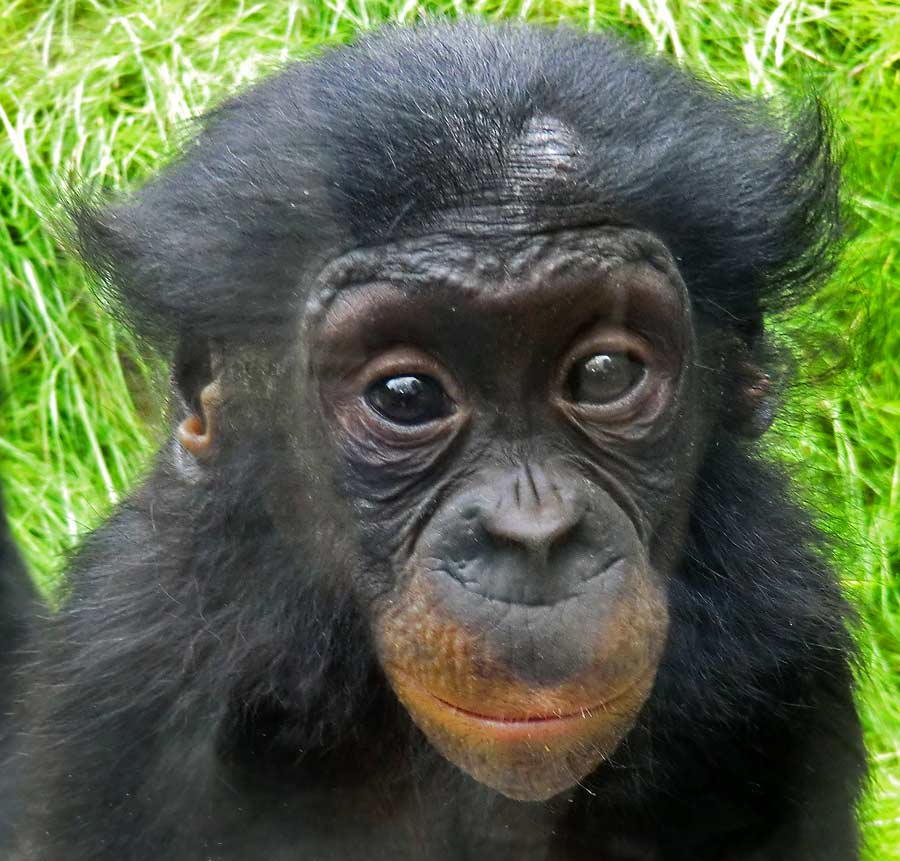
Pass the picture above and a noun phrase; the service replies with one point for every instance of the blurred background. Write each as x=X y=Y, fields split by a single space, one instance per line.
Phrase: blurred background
x=101 y=93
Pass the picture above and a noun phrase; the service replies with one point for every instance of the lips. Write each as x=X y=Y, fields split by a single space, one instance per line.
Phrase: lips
x=580 y=713
x=541 y=728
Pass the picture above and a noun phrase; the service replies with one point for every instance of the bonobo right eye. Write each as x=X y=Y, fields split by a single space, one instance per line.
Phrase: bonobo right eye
x=409 y=399
x=604 y=377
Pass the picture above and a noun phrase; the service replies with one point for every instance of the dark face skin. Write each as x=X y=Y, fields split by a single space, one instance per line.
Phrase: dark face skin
x=507 y=404
x=515 y=442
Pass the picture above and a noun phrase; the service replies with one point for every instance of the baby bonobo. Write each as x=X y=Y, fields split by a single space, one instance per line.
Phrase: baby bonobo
x=462 y=545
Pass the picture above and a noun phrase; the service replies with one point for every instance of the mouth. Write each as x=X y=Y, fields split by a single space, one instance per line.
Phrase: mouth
x=515 y=720
x=542 y=727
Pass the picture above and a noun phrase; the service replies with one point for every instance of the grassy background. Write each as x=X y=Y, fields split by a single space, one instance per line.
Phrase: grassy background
x=100 y=92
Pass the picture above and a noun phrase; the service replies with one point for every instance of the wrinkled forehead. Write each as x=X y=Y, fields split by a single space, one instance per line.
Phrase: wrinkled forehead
x=493 y=264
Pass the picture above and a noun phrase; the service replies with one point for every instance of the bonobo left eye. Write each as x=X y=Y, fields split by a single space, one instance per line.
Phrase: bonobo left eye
x=409 y=400
x=604 y=377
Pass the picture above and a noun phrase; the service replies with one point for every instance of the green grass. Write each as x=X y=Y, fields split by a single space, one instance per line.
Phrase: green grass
x=100 y=92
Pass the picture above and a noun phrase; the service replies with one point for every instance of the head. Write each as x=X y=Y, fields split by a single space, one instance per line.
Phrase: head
x=485 y=297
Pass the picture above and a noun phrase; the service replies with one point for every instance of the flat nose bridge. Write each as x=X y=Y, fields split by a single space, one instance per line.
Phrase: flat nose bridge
x=534 y=509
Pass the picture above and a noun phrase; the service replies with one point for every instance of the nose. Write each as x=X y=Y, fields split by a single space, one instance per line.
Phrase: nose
x=534 y=509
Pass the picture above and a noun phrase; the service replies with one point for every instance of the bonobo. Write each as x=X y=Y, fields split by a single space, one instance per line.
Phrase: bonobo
x=461 y=546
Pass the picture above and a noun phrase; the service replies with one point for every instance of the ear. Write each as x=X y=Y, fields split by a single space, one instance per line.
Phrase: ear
x=750 y=409
x=195 y=378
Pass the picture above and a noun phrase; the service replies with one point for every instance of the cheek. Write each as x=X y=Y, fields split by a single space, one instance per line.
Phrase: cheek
x=654 y=483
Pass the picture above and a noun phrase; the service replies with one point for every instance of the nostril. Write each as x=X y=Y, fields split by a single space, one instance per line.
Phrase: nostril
x=471 y=512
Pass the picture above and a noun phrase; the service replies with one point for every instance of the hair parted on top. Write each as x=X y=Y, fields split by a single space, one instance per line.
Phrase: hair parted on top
x=368 y=142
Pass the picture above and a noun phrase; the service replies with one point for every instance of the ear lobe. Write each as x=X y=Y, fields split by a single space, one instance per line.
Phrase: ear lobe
x=195 y=379
x=196 y=433
x=751 y=411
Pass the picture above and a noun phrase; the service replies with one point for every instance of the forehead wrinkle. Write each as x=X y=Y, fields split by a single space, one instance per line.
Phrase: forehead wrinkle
x=489 y=267
x=523 y=298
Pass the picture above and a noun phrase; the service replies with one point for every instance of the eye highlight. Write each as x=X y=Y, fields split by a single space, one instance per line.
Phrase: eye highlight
x=409 y=399
x=604 y=377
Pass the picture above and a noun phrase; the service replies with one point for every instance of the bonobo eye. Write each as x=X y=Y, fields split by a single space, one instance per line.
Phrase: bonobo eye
x=604 y=377
x=409 y=400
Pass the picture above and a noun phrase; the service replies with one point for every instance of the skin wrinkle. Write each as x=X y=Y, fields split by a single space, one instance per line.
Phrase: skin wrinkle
x=427 y=507
x=618 y=492
x=436 y=565
x=427 y=257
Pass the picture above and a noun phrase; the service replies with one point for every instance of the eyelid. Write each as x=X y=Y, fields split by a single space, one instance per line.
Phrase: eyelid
x=404 y=361
x=605 y=338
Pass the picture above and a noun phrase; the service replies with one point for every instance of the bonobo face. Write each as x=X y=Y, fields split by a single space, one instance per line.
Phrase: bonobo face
x=510 y=422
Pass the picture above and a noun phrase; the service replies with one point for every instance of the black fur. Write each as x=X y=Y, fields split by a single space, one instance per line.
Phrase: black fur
x=17 y=605
x=195 y=636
